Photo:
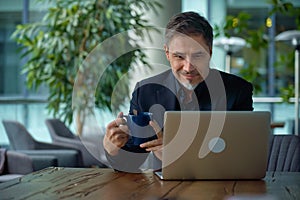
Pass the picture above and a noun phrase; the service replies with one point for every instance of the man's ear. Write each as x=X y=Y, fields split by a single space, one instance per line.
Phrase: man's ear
x=167 y=52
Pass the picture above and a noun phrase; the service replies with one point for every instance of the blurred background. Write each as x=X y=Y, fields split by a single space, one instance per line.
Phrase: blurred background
x=264 y=61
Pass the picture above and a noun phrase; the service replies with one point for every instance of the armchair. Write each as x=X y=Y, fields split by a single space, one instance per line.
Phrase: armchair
x=10 y=167
x=91 y=151
x=284 y=153
x=21 y=140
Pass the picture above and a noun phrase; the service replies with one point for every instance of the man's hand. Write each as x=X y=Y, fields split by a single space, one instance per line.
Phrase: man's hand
x=116 y=135
x=157 y=144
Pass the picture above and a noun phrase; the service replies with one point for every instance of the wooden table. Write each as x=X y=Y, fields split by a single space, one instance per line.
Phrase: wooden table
x=92 y=183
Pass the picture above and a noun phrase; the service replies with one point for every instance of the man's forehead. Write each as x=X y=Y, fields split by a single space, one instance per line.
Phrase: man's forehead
x=183 y=43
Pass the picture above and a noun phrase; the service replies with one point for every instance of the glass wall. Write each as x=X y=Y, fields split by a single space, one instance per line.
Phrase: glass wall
x=260 y=18
x=16 y=102
x=273 y=63
x=271 y=70
x=28 y=107
x=12 y=13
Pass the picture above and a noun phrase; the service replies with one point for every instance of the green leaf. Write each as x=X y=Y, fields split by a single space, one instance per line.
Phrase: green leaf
x=56 y=46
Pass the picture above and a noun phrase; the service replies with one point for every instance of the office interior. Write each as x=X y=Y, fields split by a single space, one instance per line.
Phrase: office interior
x=29 y=106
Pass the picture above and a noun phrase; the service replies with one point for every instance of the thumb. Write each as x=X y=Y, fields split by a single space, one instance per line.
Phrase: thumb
x=156 y=128
x=120 y=115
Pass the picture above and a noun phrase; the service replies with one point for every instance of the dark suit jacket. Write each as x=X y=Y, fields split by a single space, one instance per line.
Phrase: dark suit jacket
x=219 y=91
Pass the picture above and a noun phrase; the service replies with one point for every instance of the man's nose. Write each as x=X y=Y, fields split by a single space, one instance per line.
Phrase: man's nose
x=188 y=65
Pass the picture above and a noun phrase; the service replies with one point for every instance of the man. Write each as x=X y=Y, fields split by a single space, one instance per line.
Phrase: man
x=190 y=84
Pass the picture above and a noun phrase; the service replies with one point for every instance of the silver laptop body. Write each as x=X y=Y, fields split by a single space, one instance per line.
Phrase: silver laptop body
x=215 y=145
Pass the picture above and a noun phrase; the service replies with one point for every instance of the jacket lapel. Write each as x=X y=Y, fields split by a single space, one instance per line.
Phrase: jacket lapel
x=166 y=95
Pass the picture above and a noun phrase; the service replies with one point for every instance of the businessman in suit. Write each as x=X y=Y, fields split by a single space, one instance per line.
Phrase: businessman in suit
x=190 y=84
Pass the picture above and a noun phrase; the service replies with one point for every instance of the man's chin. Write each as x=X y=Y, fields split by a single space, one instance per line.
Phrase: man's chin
x=189 y=86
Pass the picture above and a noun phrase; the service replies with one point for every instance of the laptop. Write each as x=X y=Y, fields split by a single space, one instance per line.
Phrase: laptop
x=210 y=145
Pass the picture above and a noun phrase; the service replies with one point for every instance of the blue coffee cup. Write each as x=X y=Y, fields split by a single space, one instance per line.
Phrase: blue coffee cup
x=139 y=128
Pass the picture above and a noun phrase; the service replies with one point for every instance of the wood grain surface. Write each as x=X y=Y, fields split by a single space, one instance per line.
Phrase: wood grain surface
x=93 y=183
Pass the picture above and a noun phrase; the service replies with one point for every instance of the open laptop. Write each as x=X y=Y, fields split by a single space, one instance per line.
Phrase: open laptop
x=215 y=145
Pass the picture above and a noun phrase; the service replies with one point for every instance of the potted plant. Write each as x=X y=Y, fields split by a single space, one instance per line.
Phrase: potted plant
x=56 y=47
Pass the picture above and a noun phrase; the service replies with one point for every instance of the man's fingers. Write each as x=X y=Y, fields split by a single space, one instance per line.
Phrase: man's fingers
x=159 y=134
x=120 y=121
x=121 y=136
x=124 y=128
x=151 y=143
x=116 y=123
x=156 y=128
x=112 y=124
x=118 y=137
x=114 y=139
x=156 y=148
x=119 y=130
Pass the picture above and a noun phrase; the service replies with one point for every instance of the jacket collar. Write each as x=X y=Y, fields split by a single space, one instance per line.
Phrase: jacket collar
x=166 y=95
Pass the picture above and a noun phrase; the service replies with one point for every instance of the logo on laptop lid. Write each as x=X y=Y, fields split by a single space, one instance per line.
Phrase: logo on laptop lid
x=216 y=145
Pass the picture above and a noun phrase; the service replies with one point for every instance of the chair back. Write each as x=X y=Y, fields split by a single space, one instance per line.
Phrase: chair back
x=19 y=138
x=284 y=153
x=57 y=128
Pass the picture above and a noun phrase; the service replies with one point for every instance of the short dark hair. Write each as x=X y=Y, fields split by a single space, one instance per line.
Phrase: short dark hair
x=189 y=23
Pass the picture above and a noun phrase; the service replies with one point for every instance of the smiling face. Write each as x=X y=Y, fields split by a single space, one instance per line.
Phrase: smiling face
x=189 y=57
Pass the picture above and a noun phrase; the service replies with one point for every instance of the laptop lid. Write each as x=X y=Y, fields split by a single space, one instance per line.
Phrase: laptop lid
x=215 y=145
